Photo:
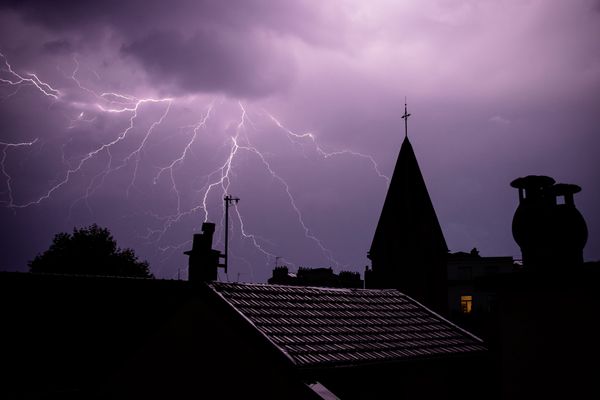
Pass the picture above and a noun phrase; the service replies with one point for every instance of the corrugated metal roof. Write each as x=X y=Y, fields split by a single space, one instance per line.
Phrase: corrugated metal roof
x=326 y=326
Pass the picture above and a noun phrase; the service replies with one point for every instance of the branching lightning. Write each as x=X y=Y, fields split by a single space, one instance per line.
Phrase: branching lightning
x=325 y=154
x=218 y=181
x=103 y=148
x=8 y=178
x=18 y=80
x=286 y=187
x=170 y=170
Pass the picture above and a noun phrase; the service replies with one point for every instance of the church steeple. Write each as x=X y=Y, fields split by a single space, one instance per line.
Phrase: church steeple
x=408 y=251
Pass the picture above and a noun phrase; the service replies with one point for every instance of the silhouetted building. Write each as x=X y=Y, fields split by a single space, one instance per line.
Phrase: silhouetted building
x=320 y=277
x=99 y=337
x=541 y=328
x=536 y=317
x=469 y=303
x=464 y=269
x=157 y=339
x=408 y=251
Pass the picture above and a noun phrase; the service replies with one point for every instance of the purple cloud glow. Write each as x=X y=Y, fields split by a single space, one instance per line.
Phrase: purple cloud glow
x=141 y=114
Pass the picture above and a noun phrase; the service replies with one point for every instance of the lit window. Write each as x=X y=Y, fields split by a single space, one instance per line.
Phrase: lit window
x=466 y=304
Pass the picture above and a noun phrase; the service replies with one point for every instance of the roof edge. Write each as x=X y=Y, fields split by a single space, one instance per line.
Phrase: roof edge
x=449 y=322
x=255 y=328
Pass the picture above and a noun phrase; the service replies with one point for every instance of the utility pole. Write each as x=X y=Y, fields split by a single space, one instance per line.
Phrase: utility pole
x=228 y=200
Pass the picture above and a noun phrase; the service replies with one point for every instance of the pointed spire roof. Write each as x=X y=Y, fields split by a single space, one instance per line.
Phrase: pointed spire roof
x=408 y=227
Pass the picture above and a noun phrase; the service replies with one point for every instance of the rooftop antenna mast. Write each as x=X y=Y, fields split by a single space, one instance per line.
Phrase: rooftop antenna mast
x=405 y=118
x=228 y=200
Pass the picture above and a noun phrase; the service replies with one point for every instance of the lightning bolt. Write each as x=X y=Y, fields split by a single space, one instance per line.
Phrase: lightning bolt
x=17 y=80
x=76 y=80
x=97 y=181
x=8 y=178
x=124 y=103
x=219 y=180
x=325 y=154
x=80 y=118
x=137 y=151
x=103 y=148
x=216 y=182
x=110 y=98
x=224 y=170
x=307 y=231
x=224 y=182
x=170 y=168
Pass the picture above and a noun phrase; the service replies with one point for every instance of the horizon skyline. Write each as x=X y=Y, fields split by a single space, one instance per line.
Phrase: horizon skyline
x=142 y=117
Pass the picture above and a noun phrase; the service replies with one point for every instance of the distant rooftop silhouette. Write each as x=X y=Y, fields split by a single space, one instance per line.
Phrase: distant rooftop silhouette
x=323 y=277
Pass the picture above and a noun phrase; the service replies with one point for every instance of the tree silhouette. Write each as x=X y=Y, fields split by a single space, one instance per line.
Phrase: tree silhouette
x=89 y=251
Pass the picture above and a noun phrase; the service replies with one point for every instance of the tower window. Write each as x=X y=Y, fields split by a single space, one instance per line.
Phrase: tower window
x=466 y=304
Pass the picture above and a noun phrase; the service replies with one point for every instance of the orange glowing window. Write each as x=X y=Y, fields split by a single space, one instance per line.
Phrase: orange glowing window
x=466 y=304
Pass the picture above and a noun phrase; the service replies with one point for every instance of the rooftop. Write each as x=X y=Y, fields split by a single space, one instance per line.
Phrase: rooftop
x=318 y=327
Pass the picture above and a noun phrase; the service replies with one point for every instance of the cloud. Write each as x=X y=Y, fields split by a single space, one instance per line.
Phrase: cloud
x=61 y=46
x=497 y=119
x=241 y=49
x=212 y=61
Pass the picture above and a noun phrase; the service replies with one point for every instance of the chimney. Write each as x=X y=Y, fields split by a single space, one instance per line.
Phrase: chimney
x=204 y=261
x=551 y=233
x=570 y=230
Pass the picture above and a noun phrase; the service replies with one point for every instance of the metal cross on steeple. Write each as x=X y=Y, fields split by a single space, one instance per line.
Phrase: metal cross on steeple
x=405 y=118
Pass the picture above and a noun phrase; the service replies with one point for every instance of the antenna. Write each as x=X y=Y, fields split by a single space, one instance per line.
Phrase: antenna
x=405 y=118
x=228 y=200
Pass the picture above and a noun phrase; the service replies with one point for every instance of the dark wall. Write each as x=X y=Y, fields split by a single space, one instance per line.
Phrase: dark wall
x=448 y=378
x=66 y=334
x=80 y=337
x=549 y=337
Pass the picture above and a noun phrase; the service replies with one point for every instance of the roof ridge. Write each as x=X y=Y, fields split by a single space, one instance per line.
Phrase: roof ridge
x=318 y=288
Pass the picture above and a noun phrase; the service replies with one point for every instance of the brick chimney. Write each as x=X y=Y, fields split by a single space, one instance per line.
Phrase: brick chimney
x=204 y=260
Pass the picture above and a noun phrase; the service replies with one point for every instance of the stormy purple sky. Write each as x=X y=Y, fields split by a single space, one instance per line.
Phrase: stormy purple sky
x=141 y=114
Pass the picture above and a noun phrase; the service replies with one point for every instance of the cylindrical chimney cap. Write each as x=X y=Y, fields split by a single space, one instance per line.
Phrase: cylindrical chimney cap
x=532 y=181
x=208 y=227
x=562 y=189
